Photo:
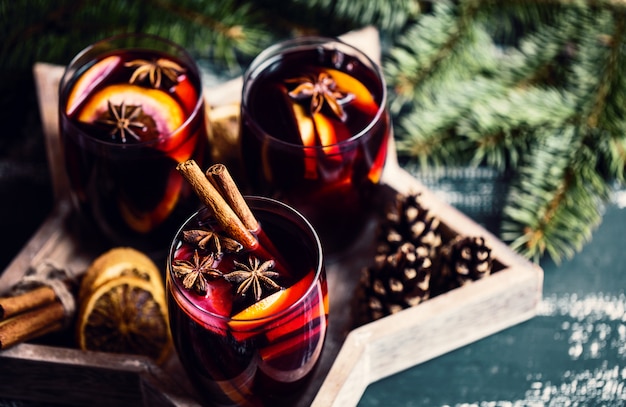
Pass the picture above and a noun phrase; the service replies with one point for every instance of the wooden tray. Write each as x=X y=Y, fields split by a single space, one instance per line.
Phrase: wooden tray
x=352 y=358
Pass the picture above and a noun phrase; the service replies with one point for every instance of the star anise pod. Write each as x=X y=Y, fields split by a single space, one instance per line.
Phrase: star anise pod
x=255 y=275
x=320 y=89
x=195 y=274
x=155 y=70
x=122 y=118
x=215 y=242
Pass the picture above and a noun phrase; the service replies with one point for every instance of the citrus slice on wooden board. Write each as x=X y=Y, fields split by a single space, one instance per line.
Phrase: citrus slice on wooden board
x=120 y=262
x=125 y=315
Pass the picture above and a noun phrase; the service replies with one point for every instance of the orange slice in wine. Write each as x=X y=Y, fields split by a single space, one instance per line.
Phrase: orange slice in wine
x=307 y=135
x=89 y=80
x=308 y=315
x=186 y=93
x=283 y=347
x=363 y=98
x=166 y=113
x=376 y=170
x=209 y=310
x=245 y=322
x=318 y=130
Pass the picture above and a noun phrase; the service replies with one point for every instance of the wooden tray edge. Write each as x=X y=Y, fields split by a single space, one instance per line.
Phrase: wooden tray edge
x=90 y=378
x=395 y=343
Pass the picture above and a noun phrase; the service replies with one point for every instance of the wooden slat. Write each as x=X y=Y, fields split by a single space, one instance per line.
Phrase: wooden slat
x=52 y=374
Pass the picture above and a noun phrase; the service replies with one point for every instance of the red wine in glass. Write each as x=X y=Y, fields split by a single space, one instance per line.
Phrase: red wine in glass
x=315 y=132
x=130 y=109
x=240 y=346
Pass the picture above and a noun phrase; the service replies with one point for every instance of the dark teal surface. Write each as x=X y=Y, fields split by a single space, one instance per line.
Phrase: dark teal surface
x=573 y=353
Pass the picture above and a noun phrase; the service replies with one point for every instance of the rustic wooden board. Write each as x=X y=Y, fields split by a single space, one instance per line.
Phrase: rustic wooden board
x=352 y=358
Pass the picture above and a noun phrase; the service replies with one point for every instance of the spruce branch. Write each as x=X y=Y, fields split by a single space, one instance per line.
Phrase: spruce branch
x=597 y=80
x=554 y=204
x=418 y=53
x=388 y=16
x=40 y=30
x=427 y=132
x=500 y=132
x=543 y=100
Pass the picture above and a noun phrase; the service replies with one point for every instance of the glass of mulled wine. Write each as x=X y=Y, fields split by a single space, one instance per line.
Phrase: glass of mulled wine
x=248 y=327
x=130 y=109
x=315 y=132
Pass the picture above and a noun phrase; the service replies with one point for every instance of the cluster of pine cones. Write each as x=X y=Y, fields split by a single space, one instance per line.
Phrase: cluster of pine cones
x=413 y=262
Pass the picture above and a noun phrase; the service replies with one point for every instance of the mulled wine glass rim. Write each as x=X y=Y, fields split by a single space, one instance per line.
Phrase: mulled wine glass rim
x=69 y=73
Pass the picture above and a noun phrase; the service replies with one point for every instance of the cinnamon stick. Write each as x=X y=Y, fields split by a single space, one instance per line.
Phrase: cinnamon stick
x=30 y=324
x=10 y=306
x=223 y=213
x=222 y=181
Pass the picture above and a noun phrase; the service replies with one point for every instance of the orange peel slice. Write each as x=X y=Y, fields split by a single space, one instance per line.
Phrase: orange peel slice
x=89 y=80
x=244 y=323
x=376 y=170
x=125 y=315
x=329 y=132
x=186 y=94
x=363 y=98
x=307 y=135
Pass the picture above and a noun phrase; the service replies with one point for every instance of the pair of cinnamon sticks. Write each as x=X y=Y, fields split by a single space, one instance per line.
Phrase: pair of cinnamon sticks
x=29 y=315
x=219 y=192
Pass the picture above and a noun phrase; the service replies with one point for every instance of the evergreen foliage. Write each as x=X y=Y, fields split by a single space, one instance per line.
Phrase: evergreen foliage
x=535 y=89
x=538 y=95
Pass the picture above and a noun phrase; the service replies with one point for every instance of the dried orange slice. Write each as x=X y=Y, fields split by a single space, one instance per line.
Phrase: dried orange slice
x=125 y=315
x=120 y=262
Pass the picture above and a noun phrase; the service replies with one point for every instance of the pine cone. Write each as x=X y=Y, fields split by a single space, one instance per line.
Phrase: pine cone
x=396 y=281
x=408 y=242
x=466 y=259
x=408 y=221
